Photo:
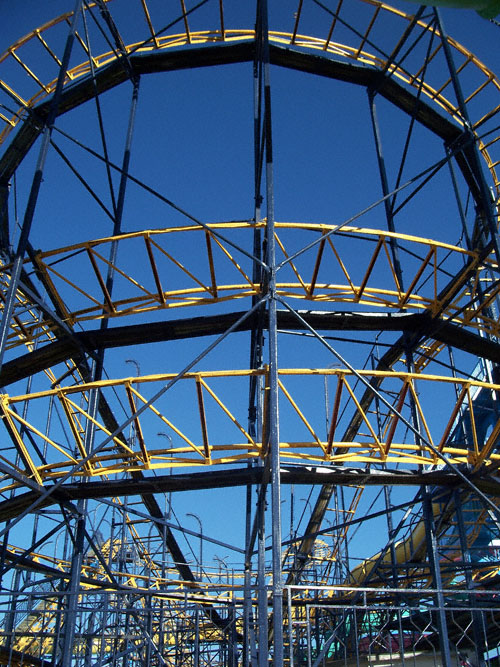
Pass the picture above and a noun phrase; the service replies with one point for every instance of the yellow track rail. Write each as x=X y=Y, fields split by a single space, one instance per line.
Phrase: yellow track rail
x=37 y=60
x=215 y=398
x=155 y=270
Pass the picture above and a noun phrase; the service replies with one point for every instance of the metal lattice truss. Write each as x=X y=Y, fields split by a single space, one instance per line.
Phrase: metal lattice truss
x=216 y=398
x=35 y=51
x=77 y=446
x=329 y=273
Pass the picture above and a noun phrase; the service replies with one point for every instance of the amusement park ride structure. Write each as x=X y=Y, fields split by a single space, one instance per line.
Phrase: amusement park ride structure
x=315 y=304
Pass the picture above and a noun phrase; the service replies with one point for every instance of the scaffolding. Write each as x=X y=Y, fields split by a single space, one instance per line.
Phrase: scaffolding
x=249 y=342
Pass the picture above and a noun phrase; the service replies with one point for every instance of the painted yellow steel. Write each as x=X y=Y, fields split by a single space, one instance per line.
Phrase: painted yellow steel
x=76 y=280
x=301 y=415
x=19 y=444
x=121 y=456
x=436 y=90
x=193 y=441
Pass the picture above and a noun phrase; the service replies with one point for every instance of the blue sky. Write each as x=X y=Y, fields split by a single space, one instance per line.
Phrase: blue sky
x=193 y=141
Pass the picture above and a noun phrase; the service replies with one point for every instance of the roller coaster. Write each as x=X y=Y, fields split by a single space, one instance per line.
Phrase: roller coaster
x=249 y=351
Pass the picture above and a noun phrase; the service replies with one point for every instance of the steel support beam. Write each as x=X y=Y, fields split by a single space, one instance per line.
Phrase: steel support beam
x=71 y=347
x=169 y=60
x=485 y=199
x=433 y=556
x=297 y=475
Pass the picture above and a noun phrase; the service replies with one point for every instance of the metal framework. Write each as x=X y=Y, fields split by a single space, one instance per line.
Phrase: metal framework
x=300 y=467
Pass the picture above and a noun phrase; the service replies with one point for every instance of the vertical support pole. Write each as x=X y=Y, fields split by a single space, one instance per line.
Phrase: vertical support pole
x=290 y=626
x=460 y=207
x=247 y=593
x=273 y=412
x=477 y=619
x=89 y=643
x=390 y=531
x=3 y=549
x=197 y=637
x=74 y=585
x=394 y=567
x=343 y=509
x=177 y=642
x=261 y=585
x=69 y=625
x=148 y=623
x=432 y=553
x=119 y=212
x=4 y=213
x=308 y=635
x=263 y=100
x=17 y=263
x=490 y=219
x=252 y=655
x=430 y=536
x=385 y=187
x=486 y=198
x=57 y=629
x=59 y=609
x=233 y=639
x=255 y=389
x=70 y=618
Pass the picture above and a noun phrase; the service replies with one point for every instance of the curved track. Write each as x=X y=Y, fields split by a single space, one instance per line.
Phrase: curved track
x=362 y=357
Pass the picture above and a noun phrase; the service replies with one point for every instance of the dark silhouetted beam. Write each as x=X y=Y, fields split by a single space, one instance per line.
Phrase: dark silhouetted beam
x=211 y=325
x=224 y=478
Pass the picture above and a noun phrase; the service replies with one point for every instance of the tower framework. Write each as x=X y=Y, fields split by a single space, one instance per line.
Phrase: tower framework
x=249 y=343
